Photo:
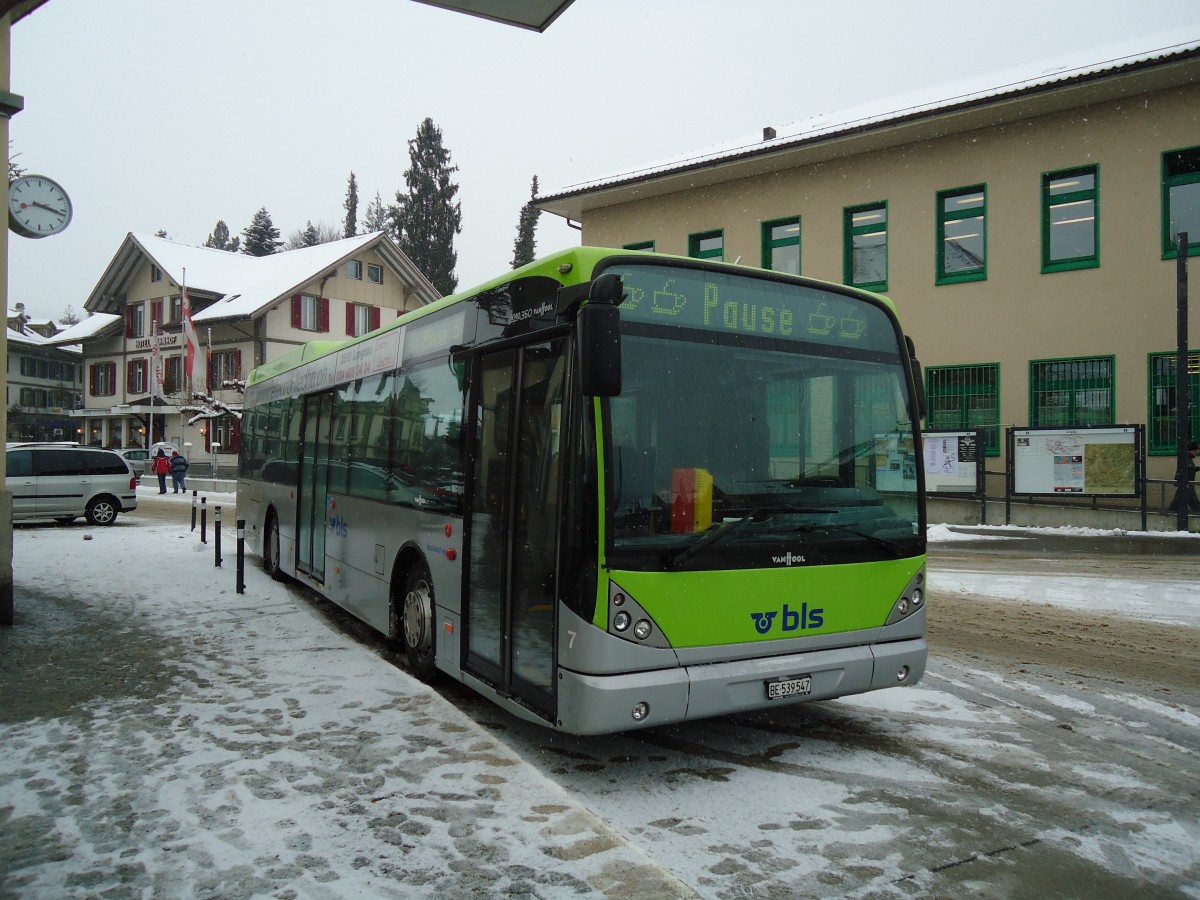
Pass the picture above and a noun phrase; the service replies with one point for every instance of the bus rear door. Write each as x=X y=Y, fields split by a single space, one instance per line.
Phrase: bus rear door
x=312 y=495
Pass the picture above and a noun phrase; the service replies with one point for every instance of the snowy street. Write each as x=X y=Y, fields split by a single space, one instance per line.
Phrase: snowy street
x=166 y=736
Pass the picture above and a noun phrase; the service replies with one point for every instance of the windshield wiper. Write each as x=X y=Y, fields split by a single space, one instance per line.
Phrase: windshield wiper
x=897 y=548
x=726 y=528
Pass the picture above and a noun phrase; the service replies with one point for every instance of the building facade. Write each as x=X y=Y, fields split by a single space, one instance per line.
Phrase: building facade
x=245 y=311
x=45 y=385
x=1025 y=232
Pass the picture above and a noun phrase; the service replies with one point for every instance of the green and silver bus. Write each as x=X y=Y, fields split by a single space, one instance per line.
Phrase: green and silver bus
x=610 y=489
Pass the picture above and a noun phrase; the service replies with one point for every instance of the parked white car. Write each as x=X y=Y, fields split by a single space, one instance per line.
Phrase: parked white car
x=63 y=482
x=138 y=459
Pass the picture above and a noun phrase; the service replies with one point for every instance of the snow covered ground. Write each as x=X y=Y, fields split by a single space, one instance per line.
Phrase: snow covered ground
x=1168 y=602
x=206 y=743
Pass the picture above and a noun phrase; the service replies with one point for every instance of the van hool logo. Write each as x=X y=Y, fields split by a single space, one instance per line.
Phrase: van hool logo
x=788 y=559
x=792 y=620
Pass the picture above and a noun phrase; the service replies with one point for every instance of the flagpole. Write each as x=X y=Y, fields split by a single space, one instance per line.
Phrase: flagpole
x=153 y=360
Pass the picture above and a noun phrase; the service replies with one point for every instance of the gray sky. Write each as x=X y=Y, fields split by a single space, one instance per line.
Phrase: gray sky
x=155 y=114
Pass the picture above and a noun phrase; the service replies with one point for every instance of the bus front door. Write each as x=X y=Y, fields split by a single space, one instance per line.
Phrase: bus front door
x=312 y=495
x=513 y=524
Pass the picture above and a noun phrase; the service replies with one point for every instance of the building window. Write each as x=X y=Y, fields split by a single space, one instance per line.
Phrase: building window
x=354 y=270
x=103 y=379
x=310 y=313
x=226 y=432
x=1163 y=436
x=173 y=375
x=707 y=245
x=648 y=246
x=135 y=320
x=155 y=274
x=224 y=366
x=962 y=235
x=137 y=380
x=361 y=318
x=1070 y=220
x=374 y=273
x=1181 y=200
x=781 y=245
x=1071 y=393
x=174 y=310
x=865 y=246
x=965 y=398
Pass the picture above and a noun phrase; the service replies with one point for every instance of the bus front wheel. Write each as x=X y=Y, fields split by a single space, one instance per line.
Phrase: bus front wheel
x=416 y=615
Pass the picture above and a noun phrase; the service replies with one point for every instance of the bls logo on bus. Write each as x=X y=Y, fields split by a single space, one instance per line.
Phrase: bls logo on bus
x=793 y=619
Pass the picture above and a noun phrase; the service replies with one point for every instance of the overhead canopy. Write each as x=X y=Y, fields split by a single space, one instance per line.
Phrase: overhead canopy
x=536 y=15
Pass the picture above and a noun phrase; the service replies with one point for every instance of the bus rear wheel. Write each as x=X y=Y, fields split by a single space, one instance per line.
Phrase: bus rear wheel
x=271 y=549
x=416 y=621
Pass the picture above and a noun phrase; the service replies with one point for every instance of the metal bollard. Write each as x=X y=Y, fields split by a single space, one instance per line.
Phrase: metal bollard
x=241 y=556
x=194 y=510
x=204 y=520
x=217 y=537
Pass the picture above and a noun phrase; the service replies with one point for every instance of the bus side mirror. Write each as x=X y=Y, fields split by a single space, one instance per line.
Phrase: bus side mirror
x=598 y=340
x=598 y=333
x=918 y=377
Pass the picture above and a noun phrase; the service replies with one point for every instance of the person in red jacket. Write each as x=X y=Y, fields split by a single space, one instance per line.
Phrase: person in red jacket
x=162 y=468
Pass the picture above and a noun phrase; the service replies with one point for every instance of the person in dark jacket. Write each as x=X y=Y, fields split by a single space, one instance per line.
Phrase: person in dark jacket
x=179 y=467
x=1187 y=499
x=162 y=467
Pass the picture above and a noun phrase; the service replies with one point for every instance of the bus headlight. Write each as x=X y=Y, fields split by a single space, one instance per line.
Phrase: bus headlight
x=630 y=621
x=640 y=711
x=911 y=599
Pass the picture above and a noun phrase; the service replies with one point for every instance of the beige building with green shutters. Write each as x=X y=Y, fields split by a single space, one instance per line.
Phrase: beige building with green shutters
x=1025 y=232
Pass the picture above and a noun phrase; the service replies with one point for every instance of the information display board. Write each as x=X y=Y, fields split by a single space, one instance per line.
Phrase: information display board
x=1080 y=462
x=953 y=462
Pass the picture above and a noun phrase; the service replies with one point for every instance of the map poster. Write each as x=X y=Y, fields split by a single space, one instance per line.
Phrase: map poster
x=1083 y=462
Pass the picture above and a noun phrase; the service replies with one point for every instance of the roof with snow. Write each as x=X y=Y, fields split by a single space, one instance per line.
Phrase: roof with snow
x=34 y=339
x=93 y=325
x=1091 y=76
x=241 y=285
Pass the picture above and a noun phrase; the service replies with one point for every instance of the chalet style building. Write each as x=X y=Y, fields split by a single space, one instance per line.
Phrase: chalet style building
x=245 y=310
x=1025 y=227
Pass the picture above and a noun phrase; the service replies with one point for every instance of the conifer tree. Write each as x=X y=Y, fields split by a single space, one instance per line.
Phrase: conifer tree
x=523 y=247
x=219 y=239
x=260 y=237
x=425 y=220
x=375 y=218
x=351 y=206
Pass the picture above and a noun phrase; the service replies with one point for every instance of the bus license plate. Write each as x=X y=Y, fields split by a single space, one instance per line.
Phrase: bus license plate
x=789 y=687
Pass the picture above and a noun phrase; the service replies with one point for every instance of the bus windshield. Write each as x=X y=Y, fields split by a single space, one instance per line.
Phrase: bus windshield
x=761 y=422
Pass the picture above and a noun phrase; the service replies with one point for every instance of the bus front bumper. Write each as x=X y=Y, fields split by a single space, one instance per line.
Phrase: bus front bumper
x=598 y=704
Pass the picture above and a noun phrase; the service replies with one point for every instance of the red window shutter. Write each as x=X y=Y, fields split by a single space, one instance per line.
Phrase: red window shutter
x=374 y=317
x=235 y=437
x=208 y=436
x=296 y=311
x=92 y=380
x=236 y=363
x=324 y=313
x=156 y=319
x=350 y=320
x=129 y=321
x=129 y=375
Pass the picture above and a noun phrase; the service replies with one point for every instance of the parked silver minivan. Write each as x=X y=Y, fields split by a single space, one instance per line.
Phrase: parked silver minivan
x=56 y=481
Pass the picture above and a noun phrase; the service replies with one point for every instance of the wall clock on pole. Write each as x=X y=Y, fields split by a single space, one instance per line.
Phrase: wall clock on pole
x=37 y=206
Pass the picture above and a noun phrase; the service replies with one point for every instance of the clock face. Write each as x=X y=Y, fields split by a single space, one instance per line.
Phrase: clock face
x=37 y=206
